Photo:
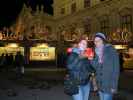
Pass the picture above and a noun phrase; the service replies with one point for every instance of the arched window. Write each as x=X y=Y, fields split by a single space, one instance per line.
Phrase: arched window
x=104 y=24
x=87 y=25
x=126 y=19
x=126 y=22
x=73 y=8
x=87 y=3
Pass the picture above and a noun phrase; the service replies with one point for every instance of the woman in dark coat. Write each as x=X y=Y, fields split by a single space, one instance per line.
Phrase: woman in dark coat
x=106 y=63
x=79 y=67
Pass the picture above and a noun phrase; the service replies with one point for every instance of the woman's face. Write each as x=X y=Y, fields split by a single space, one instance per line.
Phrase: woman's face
x=82 y=44
x=98 y=42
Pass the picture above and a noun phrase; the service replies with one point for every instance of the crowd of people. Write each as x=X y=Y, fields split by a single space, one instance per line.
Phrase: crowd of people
x=8 y=62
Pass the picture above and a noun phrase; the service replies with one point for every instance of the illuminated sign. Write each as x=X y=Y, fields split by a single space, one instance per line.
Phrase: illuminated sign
x=13 y=50
x=12 y=45
x=42 y=53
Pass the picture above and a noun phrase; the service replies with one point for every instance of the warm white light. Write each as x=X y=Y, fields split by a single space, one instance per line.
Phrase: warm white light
x=43 y=45
x=131 y=51
x=13 y=45
x=120 y=46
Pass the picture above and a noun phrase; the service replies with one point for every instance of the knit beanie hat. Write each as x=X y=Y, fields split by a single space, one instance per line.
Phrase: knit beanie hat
x=101 y=35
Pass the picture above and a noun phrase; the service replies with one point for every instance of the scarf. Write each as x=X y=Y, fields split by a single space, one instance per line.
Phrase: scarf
x=99 y=53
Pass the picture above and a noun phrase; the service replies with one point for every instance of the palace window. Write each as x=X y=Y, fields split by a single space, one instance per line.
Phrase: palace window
x=62 y=11
x=126 y=22
x=104 y=26
x=87 y=26
x=73 y=8
x=86 y=3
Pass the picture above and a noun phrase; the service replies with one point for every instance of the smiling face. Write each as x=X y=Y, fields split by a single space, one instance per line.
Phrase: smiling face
x=82 y=45
x=98 y=42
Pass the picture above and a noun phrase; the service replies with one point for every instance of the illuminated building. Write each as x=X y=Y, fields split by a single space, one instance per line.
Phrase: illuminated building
x=71 y=18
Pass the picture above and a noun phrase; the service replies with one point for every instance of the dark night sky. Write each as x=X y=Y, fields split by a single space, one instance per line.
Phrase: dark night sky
x=9 y=9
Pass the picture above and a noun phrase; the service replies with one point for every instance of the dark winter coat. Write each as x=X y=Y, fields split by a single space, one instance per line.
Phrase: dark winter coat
x=107 y=73
x=19 y=60
x=79 y=68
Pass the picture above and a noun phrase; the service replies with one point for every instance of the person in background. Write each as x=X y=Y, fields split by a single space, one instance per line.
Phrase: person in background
x=106 y=63
x=7 y=62
x=11 y=60
x=19 y=63
x=2 y=61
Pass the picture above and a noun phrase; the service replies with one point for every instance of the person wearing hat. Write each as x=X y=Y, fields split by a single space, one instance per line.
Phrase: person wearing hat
x=106 y=63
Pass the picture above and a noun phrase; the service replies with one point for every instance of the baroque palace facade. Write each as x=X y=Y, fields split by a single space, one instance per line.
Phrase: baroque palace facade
x=35 y=29
x=72 y=18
